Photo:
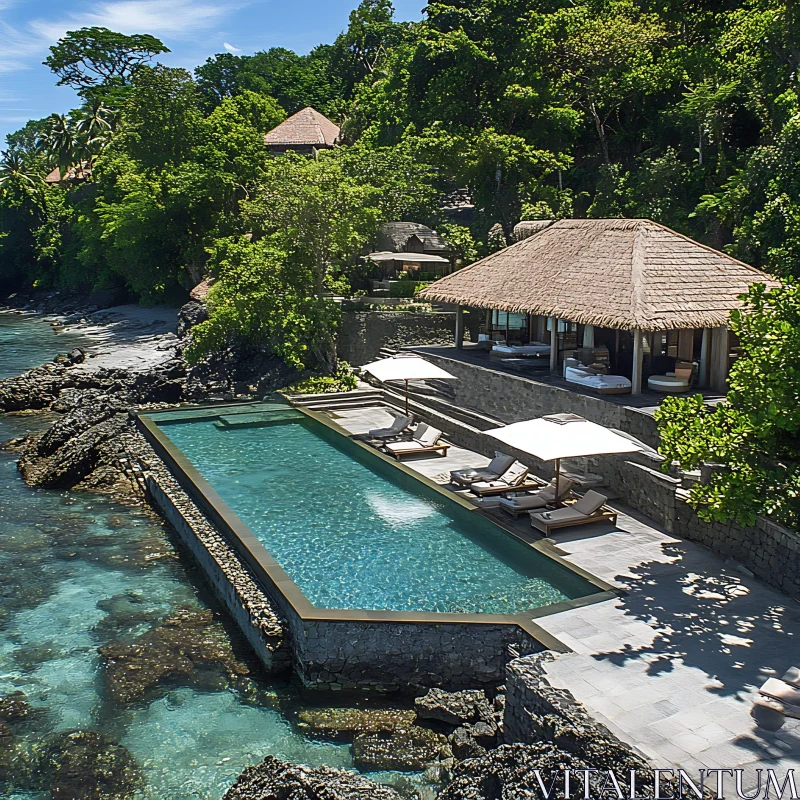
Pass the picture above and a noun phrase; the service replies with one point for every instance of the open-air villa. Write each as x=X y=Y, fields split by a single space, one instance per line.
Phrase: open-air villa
x=611 y=305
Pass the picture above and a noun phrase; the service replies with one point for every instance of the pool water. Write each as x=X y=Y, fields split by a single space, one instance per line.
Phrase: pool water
x=354 y=534
x=78 y=571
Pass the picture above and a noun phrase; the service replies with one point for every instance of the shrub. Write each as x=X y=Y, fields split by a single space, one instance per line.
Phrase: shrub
x=406 y=288
x=342 y=381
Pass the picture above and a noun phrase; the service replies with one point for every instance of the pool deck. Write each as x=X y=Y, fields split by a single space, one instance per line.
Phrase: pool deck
x=673 y=665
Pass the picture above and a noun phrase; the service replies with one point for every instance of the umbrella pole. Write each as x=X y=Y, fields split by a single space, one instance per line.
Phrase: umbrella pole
x=558 y=472
x=406 y=396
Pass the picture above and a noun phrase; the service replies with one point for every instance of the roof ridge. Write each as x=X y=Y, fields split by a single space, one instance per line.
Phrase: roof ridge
x=638 y=268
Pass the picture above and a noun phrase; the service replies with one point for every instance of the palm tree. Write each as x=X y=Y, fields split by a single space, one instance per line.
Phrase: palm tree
x=62 y=142
x=95 y=126
x=14 y=166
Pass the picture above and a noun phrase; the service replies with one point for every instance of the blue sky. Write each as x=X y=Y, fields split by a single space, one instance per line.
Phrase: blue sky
x=192 y=29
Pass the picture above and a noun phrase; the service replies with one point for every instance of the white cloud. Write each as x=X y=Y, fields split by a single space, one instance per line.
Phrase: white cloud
x=231 y=49
x=171 y=17
x=18 y=48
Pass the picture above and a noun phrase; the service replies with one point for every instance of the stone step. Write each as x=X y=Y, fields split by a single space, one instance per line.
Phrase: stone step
x=342 y=406
x=356 y=394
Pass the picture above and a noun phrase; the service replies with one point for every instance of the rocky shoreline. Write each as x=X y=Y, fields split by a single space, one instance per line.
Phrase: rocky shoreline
x=460 y=740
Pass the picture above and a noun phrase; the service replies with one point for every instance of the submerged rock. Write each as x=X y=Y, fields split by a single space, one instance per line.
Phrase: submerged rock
x=342 y=724
x=409 y=750
x=190 y=647
x=454 y=708
x=89 y=766
x=14 y=707
x=276 y=780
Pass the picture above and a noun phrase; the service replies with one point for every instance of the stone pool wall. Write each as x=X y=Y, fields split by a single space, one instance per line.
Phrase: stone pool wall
x=232 y=581
x=403 y=656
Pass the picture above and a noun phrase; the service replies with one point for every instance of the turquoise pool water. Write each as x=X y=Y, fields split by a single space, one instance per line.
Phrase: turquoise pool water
x=78 y=572
x=353 y=534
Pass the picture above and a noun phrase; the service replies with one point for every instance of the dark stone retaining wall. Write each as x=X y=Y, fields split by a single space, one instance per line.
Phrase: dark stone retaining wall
x=362 y=334
x=512 y=398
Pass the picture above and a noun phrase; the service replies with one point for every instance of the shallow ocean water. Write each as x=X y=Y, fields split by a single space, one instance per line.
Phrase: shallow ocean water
x=78 y=571
x=350 y=536
x=27 y=341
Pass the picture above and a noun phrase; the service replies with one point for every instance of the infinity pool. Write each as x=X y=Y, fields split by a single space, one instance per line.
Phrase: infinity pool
x=355 y=533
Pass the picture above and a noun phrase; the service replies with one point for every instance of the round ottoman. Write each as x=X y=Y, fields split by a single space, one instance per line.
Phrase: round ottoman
x=667 y=383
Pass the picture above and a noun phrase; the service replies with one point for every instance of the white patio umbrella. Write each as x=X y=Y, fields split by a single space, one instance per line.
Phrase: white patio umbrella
x=563 y=436
x=406 y=368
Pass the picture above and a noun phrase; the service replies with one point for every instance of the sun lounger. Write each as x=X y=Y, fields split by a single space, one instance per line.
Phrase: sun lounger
x=425 y=440
x=780 y=691
x=536 y=500
x=590 y=508
x=493 y=470
x=532 y=350
x=792 y=677
x=400 y=424
x=512 y=479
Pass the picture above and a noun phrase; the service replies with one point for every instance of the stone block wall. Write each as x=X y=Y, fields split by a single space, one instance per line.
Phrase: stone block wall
x=362 y=334
x=513 y=398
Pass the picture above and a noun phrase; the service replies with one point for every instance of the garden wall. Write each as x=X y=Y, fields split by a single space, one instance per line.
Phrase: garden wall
x=362 y=334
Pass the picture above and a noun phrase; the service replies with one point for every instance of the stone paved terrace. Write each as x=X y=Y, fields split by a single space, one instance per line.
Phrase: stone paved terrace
x=673 y=666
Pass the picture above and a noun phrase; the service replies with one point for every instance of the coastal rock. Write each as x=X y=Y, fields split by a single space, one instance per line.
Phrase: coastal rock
x=89 y=766
x=343 y=724
x=454 y=708
x=276 y=780
x=408 y=750
x=14 y=707
x=510 y=772
x=192 y=313
x=190 y=647
x=464 y=745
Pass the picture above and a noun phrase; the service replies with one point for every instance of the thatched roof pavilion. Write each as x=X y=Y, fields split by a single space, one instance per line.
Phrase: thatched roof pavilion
x=305 y=131
x=622 y=274
x=617 y=273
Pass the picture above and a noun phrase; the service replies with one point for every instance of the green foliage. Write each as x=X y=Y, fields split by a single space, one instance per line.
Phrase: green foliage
x=755 y=434
x=97 y=57
x=407 y=288
x=342 y=381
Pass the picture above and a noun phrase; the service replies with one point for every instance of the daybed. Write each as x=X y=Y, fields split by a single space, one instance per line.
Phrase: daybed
x=597 y=382
x=590 y=508
x=680 y=381
x=519 y=504
x=532 y=350
x=400 y=425
x=424 y=440
x=493 y=470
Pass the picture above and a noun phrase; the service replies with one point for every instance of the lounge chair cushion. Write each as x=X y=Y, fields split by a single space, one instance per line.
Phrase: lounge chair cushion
x=792 y=677
x=592 y=501
x=781 y=691
x=498 y=465
x=429 y=437
x=404 y=447
x=525 y=502
x=515 y=474
x=398 y=426
x=567 y=514
x=565 y=486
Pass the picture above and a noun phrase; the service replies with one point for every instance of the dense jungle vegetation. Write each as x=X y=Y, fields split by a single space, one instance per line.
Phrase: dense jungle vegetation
x=684 y=112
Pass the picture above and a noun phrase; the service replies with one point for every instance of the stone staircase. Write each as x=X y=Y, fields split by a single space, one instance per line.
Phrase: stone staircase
x=333 y=401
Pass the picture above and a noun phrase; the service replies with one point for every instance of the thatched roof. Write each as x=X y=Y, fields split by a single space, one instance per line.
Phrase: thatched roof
x=616 y=273
x=306 y=128
x=394 y=236
x=526 y=228
x=79 y=172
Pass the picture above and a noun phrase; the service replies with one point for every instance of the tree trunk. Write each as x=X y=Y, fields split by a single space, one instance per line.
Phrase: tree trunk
x=598 y=123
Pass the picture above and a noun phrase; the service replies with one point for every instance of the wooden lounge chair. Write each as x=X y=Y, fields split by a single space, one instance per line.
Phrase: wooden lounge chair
x=513 y=479
x=781 y=691
x=493 y=470
x=521 y=504
x=398 y=427
x=425 y=440
x=590 y=508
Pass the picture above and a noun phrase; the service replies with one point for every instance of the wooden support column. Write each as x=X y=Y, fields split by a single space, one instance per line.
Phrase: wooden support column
x=638 y=356
x=705 y=351
x=720 y=357
x=553 y=344
x=459 y=327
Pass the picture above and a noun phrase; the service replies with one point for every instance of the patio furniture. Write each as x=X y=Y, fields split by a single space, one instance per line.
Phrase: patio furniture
x=546 y=496
x=493 y=470
x=400 y=424
x=532 y=350
x=425 y=440
x=406 y=367
x=589 y=509
x=680 y=381
x=781 y=691
x=792 y=677
x=513 y=478
x=597 y=381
